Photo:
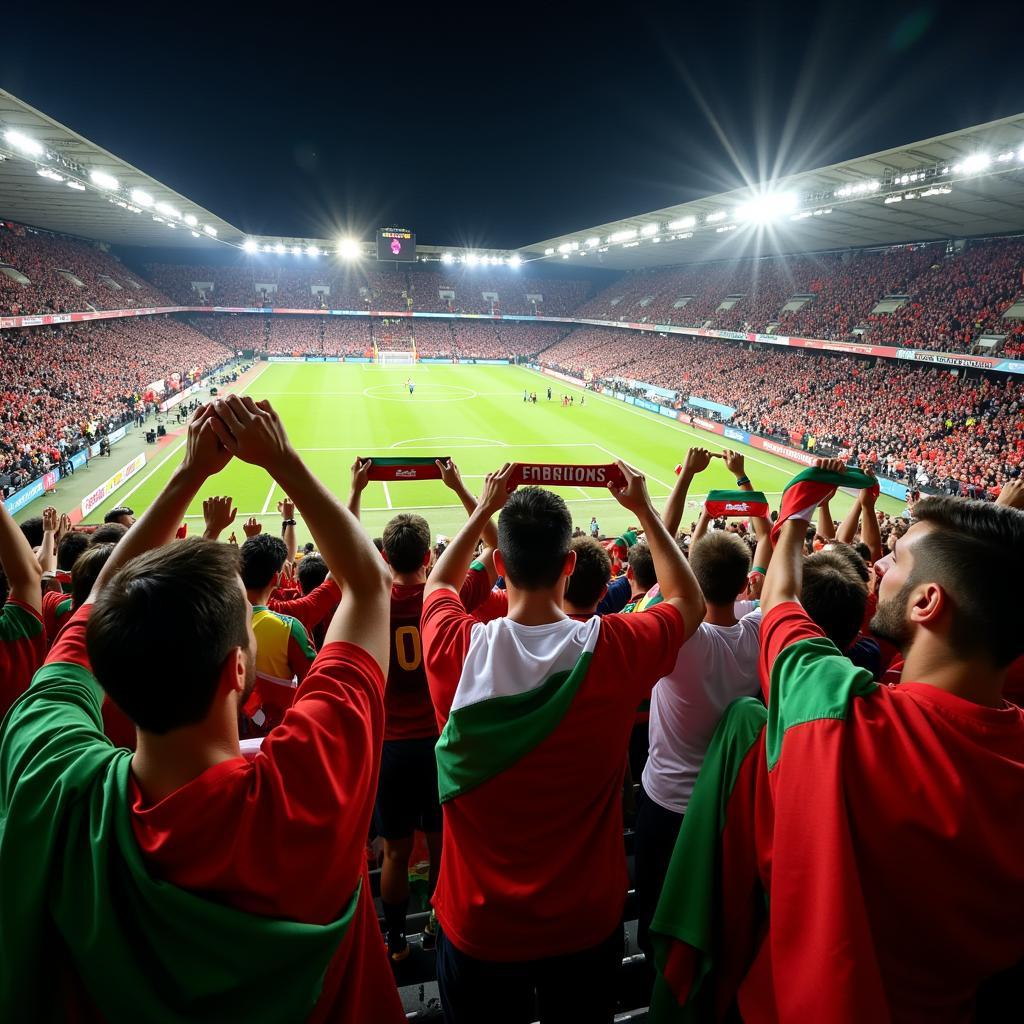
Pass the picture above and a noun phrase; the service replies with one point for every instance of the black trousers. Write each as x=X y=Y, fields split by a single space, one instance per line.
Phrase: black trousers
x=577 y=987
x=656 y=833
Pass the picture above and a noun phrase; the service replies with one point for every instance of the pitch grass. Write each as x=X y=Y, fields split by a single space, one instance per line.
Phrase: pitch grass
x=476 y=415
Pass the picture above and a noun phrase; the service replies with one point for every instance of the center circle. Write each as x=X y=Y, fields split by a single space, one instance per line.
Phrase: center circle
x=400 y=393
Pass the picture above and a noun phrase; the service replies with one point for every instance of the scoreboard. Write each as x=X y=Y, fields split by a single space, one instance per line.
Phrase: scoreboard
x=396 y=244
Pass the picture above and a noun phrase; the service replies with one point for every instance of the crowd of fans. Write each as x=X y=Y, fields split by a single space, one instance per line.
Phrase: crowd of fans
x=949 y=298
x=64 y=276
x=927 y=425
x=65 y=387
x=774 y=700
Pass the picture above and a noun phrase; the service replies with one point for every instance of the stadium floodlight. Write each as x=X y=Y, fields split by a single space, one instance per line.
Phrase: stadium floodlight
x=893 y=199
x=210 y=230
x=45 y=172
x=250 y=245
x=713 y=218
x=515 y=260
x=267 y=247
x=279 y=248
x=682 y=223
x=549 y=251
x=767 y=208
x=141 y=198
x=447 y=257
x=622 y=236
x=564 y=247
x=472 y=259
x=191 y=220
x=593 y=242
x=103 y=180
x=974 y=164
x=195 y=234
x=296 y=250
x=649 y=229
x=168 y=211
x=312 y=250
x=21 y=142
x=76 y=185
x=349 y=249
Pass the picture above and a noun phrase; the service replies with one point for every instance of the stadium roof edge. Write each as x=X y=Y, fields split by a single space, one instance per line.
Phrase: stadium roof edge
x=964 y=183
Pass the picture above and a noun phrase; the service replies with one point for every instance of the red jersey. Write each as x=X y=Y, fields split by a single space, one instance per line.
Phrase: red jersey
x=56 y=612
x=283 y=835
x=533 y=863
x=409 y=712
x=22 y=649
x=312 y=609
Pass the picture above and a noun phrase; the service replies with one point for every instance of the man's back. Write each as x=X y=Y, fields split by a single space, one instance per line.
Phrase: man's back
x=716 y=666
x=536 y=727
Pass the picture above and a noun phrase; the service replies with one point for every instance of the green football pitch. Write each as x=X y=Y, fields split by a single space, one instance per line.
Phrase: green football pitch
x=476 y=415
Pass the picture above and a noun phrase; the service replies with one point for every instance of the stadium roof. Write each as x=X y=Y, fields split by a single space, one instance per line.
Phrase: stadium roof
x=964 y=184
x=32 y=143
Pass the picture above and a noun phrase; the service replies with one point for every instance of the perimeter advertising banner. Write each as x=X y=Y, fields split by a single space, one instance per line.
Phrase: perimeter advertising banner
x=105 y=489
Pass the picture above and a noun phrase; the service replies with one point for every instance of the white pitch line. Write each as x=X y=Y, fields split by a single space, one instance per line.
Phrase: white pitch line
x=387 y=494
x=649 y=476
x=705 y=439
x=181 y=444
x=270 y=496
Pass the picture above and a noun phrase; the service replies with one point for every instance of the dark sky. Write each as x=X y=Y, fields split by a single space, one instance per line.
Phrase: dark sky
x=506 y=124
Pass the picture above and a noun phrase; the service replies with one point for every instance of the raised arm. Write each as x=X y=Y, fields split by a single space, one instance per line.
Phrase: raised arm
x=697 y=460
x=702 y=527
x=48 y=549
x=287 y=509
x=218 y=514
x=451 y=568
x=784 y=579
x=869 y=530
x=254 y=432
x=826 y=527
x=675 y=578
x=735 y=463
x=19 y=563
x=360 y=478
x=452 y=479
x=847 y=532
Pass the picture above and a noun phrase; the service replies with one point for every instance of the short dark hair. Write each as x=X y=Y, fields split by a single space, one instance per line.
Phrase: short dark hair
x=406 y=542
x=85 y=570
x=721 y=562
x=312 y=571
x=186 y=591
x=70 y=547
x=108 y=533
x=863 y=550
x=975 y=552
x=115 y=513
x=851 y=556
x=261 y=558
x=33 y=530
x=591 y=575
x=834 y=596
x=641 y=562
x=534 y=537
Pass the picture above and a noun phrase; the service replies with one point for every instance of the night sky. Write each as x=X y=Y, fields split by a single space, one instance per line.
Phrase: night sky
x=507 y=124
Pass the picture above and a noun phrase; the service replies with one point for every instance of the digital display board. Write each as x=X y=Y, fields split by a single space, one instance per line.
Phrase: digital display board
x=396 y=244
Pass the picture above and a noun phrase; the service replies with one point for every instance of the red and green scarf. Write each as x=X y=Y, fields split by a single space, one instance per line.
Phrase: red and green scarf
x=731 y=504
x=405 y=468
x=807 y=490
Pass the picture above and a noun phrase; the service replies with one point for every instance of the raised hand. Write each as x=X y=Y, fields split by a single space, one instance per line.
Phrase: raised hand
x=64 y=526
x=287 y=508
x=251 y=430
x=205 y=454
x=450 y=475
x=50 y=519
x=733 y=462
x=252 y=527
x=697 y=460
x=1012 y=494
x=218 y=514
x=831 y=465
x=496 y=489
x=633 y=495
x=361 y=475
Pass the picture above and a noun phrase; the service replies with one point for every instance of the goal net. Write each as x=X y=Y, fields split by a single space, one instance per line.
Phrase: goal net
x=396 y=358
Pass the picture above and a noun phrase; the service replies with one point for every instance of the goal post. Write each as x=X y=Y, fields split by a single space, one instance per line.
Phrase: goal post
x=396 y=358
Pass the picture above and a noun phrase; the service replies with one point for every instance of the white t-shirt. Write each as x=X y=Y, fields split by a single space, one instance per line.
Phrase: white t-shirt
x=716 y=666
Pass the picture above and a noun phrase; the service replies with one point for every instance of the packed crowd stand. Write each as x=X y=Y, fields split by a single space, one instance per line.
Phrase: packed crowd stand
x=929 y=426
x=65 y=387
x=39 y=256
x=785 y=707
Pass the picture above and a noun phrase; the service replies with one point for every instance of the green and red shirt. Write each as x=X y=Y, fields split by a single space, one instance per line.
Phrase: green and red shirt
x=242 y=895
x=535 y=724
x=873 y=821
x=22 y=649
x=56 y=612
